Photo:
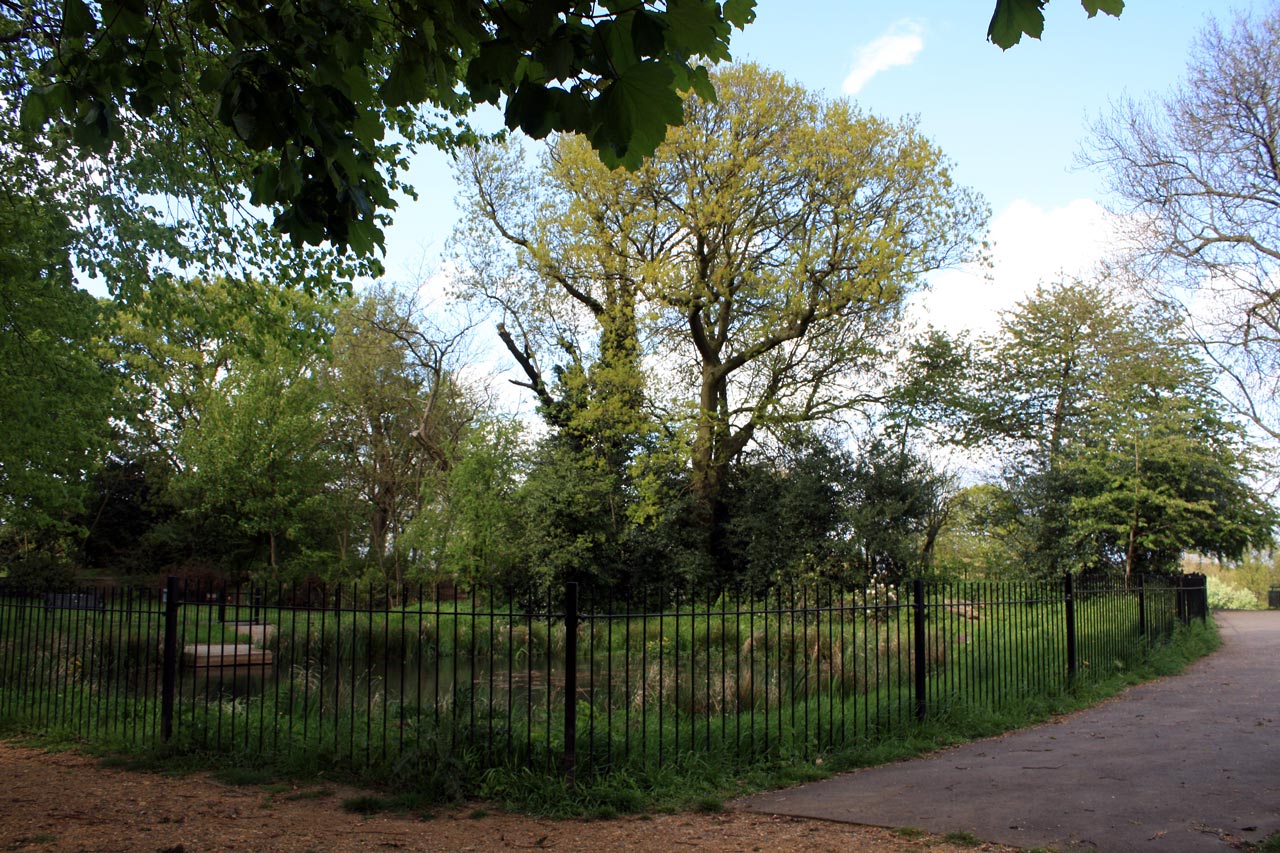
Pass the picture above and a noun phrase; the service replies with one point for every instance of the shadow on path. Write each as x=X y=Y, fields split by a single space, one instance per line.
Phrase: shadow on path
x=1187 y=763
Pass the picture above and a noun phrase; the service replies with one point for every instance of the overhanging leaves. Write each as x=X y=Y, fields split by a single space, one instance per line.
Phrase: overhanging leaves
x=1110 y=7
x=627 y=130
x=1014 y=18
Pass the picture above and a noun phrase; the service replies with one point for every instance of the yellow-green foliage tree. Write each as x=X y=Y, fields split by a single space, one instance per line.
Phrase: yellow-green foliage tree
x=755 y=268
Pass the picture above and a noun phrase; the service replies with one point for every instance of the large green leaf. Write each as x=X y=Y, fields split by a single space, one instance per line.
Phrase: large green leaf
x=695 y=28
x=740 y=12
x=35 y=112
x=1110 y=7
x=77 y=20
x=635 y=112
x=1013 y=18
x=407 y=82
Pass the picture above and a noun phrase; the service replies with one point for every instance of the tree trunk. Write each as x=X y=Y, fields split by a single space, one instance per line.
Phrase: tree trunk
x=715 y=447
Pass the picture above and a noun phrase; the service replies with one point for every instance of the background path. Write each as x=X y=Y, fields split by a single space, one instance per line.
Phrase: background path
x=1187 y=763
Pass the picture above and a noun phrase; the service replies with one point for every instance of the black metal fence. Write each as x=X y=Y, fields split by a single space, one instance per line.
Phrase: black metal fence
x=416 y=681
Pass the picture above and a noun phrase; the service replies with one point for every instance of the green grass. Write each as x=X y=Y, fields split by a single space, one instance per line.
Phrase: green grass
x=1270 y=844
x=26 y=840
x=244 y=776
x=708 y=805
x=963 y=839
x=402 y=803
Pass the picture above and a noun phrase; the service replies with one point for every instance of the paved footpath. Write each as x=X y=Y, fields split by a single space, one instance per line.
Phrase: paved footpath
x=1188 y=763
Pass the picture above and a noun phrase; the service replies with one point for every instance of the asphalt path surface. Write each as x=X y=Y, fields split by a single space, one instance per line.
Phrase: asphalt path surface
x=1186 y=763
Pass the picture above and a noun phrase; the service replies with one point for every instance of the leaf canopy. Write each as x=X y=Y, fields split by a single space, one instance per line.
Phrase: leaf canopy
x=311 y=103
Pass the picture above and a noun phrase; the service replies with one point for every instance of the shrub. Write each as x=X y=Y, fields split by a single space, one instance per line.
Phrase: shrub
x=1225 y=596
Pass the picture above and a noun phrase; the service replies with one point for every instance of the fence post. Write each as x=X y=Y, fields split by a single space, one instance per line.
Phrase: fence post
x=1202 y=595
x=1142 y=607
x=922 y=707
x=1193 y=598
x=570 y=681
x=1071 y=627
x=1180 y=597
x=169 y=659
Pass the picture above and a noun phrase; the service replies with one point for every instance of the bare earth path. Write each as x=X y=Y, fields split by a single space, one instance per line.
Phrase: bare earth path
x=69 y=802
x=1189 y=763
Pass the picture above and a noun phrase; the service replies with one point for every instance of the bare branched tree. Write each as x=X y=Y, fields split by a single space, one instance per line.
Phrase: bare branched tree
x=1198 y=176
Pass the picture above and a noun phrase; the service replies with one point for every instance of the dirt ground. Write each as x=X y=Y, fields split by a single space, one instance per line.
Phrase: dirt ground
x=67 y=801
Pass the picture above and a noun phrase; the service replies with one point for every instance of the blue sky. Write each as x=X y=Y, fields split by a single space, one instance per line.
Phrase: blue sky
x=1011 y=122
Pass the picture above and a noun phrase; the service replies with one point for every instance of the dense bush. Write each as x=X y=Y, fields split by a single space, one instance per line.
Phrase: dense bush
x=1225 y=596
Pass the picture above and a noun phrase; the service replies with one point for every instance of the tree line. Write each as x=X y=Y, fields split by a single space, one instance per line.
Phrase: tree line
x=727 y=389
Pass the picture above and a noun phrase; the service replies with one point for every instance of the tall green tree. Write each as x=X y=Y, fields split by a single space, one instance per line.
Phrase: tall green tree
x=396 y=417
x=173 y=347
x=756 y=266
x=254 y=461
x=897 y=504
x=57 y=387
x=1117 y=455
x=180 y=364
x=471 y=525
x=983 y=535
x=788 y=510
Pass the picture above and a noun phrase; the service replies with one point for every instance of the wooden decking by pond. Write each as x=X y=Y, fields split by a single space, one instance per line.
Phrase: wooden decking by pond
x=232 y=658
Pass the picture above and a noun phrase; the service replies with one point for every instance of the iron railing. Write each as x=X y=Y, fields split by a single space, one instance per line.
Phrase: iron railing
x=430 y=680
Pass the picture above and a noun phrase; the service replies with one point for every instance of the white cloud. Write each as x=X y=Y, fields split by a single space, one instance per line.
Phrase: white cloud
x=899 y=46
x=1030 y=245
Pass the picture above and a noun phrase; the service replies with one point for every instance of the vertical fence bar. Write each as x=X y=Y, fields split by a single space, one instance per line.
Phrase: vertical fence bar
x=644 y=675
x=570 y=680
x=675 y=676
x=45 y=661
x=511 y=669
x=1203 y=597
x=1142 y=607
x=590 y=686
x=707 y=671
x=767 y=703
x=1069 y=598
x=920 y=680
x=169 y=664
